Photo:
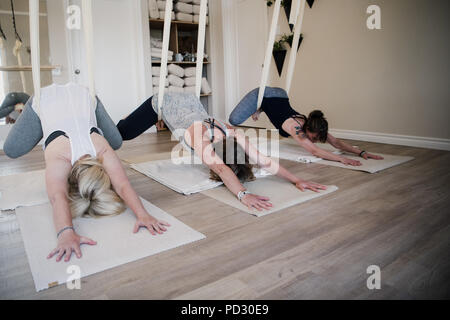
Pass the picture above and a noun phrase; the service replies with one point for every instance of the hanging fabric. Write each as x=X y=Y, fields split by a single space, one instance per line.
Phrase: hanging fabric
x=269 y=50
x=35 y=52
x=17 y=47
x=295 y=41
x=200 y=47
x=2 y=37
x=89 y=43
x=165 y=49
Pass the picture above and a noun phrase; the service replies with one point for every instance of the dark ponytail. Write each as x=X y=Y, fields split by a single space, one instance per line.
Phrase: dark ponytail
x=316 y=123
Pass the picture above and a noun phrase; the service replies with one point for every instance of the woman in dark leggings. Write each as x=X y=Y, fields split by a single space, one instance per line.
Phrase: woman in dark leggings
x=188 y=121
x=305 y=130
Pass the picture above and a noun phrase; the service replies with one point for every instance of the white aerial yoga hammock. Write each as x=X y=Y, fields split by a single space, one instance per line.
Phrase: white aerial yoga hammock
x=296 y=18
x=16 y=50
x=200 y=46
x=35 y=49
x=165 y=48
x=298 y=23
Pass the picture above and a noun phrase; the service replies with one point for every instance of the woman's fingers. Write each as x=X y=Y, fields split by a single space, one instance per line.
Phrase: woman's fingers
x=136 y=227
x=164 y=223
x=161 y=226
x=150 y=229
x=77 y=251
x=157 y=228
x=51 y=254
x=85 y=240
x=60 y=254
x=263 y=198
x=68 y=254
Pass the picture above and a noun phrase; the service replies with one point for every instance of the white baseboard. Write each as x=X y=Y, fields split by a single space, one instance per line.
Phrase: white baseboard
x=410 y=141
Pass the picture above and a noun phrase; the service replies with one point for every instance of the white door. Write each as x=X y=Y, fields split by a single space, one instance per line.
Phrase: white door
x=251 y=39
x=76 y=49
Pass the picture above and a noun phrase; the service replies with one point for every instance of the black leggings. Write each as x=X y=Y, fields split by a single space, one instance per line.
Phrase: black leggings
x=139 y=121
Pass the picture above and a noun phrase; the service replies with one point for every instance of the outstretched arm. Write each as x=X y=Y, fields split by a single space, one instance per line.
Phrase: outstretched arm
x=205 y=151
x=339 y=144
x=56 y=173
x=122 y=186
x=273 y=166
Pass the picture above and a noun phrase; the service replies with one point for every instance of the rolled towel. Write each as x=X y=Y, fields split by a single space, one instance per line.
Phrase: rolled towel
x=156 y=43
x=155 y=81
x=175 y=81
x=206 y=89
x=197 y=19
x=153 y=9
x=180 y=16
x=176 y=70
x=183 y=7
x=189 y=81
x=189 y=89
x=162 y=15
x=185 y=1
x=158 y=56
x=190 y=72
x=196 y=1
x=159 y=50
x=161 y=4
x=196 y=9
x=175 y=89
x=156 y=71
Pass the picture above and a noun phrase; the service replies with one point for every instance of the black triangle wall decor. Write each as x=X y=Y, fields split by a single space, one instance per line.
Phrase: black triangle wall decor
x=299 y=42
x=279 y=56
x=287 y=9
x=310 y=3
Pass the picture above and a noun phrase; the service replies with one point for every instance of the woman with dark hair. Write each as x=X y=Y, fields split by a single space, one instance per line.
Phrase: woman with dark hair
x=305 y=130
x=186 y=118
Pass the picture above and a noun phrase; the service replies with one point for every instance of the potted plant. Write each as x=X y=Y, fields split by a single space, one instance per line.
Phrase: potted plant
x=279 y=54
x=290 y=38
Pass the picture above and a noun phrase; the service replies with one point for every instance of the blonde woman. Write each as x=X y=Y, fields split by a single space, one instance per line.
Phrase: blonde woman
x=84 y=176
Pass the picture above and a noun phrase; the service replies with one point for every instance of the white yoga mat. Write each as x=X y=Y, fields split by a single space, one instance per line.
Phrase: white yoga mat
x=370 y=165
x=290 y=150
x=281 y=193
x=182 y=178
x=22 y=189
x=116 y=242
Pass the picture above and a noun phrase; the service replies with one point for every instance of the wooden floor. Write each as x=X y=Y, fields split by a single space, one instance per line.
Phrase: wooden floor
x=398 y=219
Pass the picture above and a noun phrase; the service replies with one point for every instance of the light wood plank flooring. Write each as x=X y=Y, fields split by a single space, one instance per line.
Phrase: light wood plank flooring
x=398 y=219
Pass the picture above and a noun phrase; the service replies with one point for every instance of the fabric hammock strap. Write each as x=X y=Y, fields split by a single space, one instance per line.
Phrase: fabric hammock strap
x=295 y=42
x=14 y=22
x=35 y=52
x=268 y=56
x=165 y=48
x=200 y=46
x=2 y=34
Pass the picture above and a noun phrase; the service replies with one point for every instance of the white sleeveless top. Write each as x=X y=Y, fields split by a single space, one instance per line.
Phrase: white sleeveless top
x=71 y=109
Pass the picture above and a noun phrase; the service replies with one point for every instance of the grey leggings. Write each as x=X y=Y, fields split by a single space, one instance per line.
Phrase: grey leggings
x=10 y=102
x=27 y=131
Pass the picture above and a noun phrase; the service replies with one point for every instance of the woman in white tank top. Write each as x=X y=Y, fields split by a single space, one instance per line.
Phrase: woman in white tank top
x=84 y=176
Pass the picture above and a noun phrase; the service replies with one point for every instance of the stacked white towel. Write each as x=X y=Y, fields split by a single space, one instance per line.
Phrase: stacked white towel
x=189 y=85
x=162 y=15
x=153 y=11
x=157 y=54
x=175 y=81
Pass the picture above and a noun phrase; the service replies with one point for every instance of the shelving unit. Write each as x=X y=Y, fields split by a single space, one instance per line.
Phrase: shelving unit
x=180 y=32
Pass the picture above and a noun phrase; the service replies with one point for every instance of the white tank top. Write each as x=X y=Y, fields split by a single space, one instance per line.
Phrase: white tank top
x=69 y=108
